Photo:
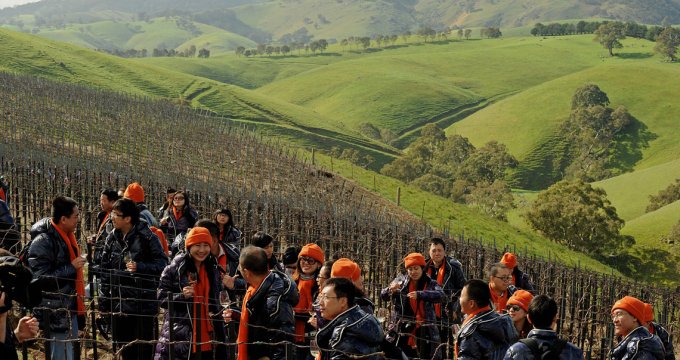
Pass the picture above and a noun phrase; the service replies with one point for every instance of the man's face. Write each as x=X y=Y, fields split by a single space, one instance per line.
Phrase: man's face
x=501 y=280
x=105 y=204
x=330 y=305
x=119 y=222
x=467 y=306
x=624 y=322
x=215 y=247
x=437 y=253
x=69 y=224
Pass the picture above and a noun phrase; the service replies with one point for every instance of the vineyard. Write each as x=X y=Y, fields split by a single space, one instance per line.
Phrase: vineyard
x=68 y=140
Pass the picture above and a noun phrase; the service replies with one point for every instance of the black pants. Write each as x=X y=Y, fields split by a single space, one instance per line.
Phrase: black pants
x=127 y=328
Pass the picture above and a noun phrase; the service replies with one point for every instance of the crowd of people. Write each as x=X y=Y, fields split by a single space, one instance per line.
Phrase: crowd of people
x=219 y=300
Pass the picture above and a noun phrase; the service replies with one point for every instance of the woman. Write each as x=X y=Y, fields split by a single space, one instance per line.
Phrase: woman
x=310 y=261
x=179 y=217
x=192 y=283
x=229 y=234
x=518 y=306
x=413 y=316
x=266 y=242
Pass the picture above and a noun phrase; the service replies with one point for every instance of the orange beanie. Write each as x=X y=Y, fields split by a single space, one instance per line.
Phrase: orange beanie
x=633 y=306
x=521 y=298
x=198 y=235
x=509 y=260
x=135 y=192
x=649 y=312
x=346 y=268
x=313 y=251
x=414 y=259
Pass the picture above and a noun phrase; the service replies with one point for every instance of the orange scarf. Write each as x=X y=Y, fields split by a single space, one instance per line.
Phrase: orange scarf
x=303 y=306
x=440 y=281
x=242 y=339
x=3 y=197
x=177 y=213
x=514 y=282
x=467 y=320
x=101 y=226
x=74 y=252
x=499 y=301
x=161 y=238
x=418 y=310
x=202 y=297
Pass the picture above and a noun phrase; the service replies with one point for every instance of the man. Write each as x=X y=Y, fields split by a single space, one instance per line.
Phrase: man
x=135 y=192
x=519 y=279
x=132 y=262
x=267 y=312
x=55 y=260
x=499 y=286
x=635 y=341
x=170 y=194
x=104 y=224
x=266 y=242
x=542 y=314
x=660 y=331
x=484 y=333
x=350 y=330
x=10 y=237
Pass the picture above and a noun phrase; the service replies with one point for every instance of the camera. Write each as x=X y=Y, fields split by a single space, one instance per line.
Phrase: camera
x=16 y=281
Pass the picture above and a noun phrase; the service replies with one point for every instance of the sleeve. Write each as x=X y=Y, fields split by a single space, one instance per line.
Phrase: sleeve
x=168 y=287
x=43 y=262
x=435 y=295
x=159 y=258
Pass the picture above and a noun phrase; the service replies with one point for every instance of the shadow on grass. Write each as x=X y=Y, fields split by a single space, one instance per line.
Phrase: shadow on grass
x=628 y=146
x=648 y=264
x=635 y=56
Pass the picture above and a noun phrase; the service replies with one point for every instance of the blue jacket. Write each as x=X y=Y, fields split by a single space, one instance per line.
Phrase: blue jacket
x=520 y=351
x=454 y=279
x=487 y=336
x=666 y=340
x=352 y=332
x=638 y=345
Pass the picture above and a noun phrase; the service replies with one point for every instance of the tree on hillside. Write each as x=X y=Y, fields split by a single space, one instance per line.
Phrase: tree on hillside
x=425 y=32
x=609 y=34
x=285 y=49
x=468 y=33
x=240 y=50
x=460 y=34
x=204 y=53
x=588 y=95
x=666 y=196
x=405 y=36
x=667 y=43
x=490 y=32
x=488 y=163
x=575 y=214
x=493 y=199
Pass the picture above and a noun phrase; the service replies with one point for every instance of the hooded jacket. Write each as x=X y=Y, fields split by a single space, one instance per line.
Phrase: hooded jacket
x=522 y=280
x=174 y=226
x=520 y=351
x=49 y=259
x=351 y=332
x=638 y=345
x=173 y=280
x=666 y=340
x=453 y=283
x=487 y=336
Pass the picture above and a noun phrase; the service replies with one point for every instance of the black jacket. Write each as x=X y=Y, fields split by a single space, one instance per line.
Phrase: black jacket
x=8 y=350
x=351 y=332
x=666 y=340
x=453 y=283
x=131 y=293
x=522 y=280
x=520 y=351
x=174 y=226
x=487 y=336
x=48 y=257
x=103 y=231
x=638 y=345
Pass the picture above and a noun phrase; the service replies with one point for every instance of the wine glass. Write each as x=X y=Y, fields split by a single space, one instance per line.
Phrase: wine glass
x=382 y=314
x=314 y=349
x=127 y=258
x=192 y=277
x=225 y=299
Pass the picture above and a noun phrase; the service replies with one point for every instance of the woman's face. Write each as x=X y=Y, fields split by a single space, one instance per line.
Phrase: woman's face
x=308 y=265
x=324 y=274
x=269 y=250
x=222 y=219
x=415 y=272
x=178 y=200
x=516 y=313
x=199 y=252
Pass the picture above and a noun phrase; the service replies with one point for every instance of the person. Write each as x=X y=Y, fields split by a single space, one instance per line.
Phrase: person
x=229 y=234
x=266 y=242
x=4 y=190
x=348 y=269
x=517 y=308
x=660 y=331
x=54 y=258
x=542 y=314
x=310 y=260
x=519 y=279
x=267 y=310
x=634 y=340
x=499 y=286
x=349 y=330
x=10 y=235
x=179 y=217
x=484 y=333
x=290 y=259
x=135 y=192
x=169 y=195
x=448 y=272
x=131 y=265
x=104 y=225
x=192 y=282
x=414 y=299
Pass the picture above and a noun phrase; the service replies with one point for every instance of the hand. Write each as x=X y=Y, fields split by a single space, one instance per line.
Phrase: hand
x=91 y=239
x=27 y=328
x=131 y=266
x=229 y=281
x=188 y=291
x=2 y=299
x=394 y=287
x=312 y=322
x=412 y=295
x=78 y=262
x=165 y=220
x=226 y=314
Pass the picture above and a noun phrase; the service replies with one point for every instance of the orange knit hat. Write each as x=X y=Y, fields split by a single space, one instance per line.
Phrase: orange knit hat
x=198 y=235
x=509 y=260
x=313 y=251
x=414 y=259
x=633 y=306
x=521 y=298
x=135 y=192
x=346 y=268
x=649 y=312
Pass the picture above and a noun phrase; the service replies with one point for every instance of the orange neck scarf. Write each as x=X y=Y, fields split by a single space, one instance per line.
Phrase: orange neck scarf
x=177 y=213
x=242 y=339
x=202 y=298
x=499 y=301
x=103 y=223
x=305 y=287
x=161 y=238
x=514 y=281
x=73 y=252
x=469 y=317
x=440 y=281
x=418 y=311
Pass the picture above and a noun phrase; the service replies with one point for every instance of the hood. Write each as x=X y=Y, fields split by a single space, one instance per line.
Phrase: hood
x=40 y=227
x=278 y=283
x=495 y=327
x=362 y=326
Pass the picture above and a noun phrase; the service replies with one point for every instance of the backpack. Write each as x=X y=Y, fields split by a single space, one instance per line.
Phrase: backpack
x=543 y=351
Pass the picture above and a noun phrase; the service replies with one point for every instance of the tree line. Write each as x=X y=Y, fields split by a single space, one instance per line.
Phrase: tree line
x=629 y=29
x=262 y=49
x=158 y=52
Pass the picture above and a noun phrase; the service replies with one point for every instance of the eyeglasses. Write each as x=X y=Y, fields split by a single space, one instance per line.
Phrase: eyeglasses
x=513 y=308
x=324 y=297
x=504 y=278
x=116 y=215
x=179 y=198
x=307 y=259
x=618 y=315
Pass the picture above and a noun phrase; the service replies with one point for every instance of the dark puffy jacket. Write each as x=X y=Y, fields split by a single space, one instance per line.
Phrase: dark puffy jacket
x=231 y=235
x=520 y=351
x=175 y=227
x=453 y=283
x=666 y=340
x=103 y=232
x=7 y=349
x=10 y=233
x=5 y=216
x=352 y=332
x=271 y=317
x=147 y=216
x=403 y=318
x=173 y=279
x=522 y=280
x=638 y=345
x=48 y=257
x=124 y=291
x=487 y=336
